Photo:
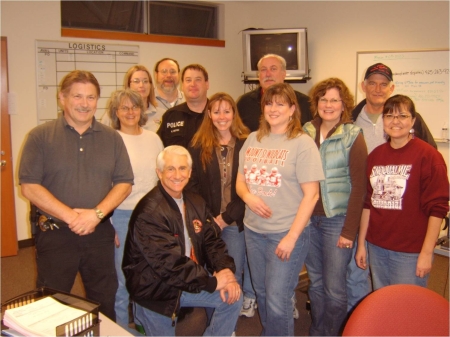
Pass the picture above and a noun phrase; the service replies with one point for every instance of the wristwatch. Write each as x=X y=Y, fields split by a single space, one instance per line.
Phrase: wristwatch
x=99 y=213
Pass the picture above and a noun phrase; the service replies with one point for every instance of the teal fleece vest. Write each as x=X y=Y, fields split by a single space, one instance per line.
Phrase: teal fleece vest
x=335 y=155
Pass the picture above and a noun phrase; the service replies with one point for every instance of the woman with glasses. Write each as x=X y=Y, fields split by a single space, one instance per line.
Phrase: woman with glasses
x=215 y=155
x=279 y=202
x=127 y=113
x=407 y=198
x=336 y=216
x=138 y=78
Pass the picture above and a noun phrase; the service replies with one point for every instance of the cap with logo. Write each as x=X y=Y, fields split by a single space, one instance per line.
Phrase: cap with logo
x=379 y=68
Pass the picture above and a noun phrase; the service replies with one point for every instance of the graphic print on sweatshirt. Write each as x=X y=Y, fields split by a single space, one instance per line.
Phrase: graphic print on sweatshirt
x=389 y=184
x=261 y=170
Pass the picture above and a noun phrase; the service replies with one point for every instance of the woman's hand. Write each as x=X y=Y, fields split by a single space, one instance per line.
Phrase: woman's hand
x=285 y=247
x=360 y=256
x=258 y=206
x=344 y=243
x=424 y=262
x=222 y=224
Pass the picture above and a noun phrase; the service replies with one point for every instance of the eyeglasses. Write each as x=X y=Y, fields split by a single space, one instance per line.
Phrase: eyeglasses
x=137 y=81
x=331 y=101
x=391 y=117
x=135 y=108
x=165 y=71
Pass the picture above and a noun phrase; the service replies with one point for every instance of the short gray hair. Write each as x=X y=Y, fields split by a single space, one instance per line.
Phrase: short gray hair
x=278 y=57
x=172 y=149
x=116 y=99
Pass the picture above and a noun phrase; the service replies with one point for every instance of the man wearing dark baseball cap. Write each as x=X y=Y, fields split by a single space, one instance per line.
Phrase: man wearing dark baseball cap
x=378 y=86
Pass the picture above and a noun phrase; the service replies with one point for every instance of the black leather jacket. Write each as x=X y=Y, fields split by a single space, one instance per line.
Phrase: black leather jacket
x=156 y=268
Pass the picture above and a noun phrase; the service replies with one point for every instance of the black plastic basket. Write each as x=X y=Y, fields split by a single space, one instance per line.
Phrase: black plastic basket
x=71 y=328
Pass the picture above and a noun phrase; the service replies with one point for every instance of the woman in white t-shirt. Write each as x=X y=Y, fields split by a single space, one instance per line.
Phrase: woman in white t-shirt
x=127 y=114
x=278 y=209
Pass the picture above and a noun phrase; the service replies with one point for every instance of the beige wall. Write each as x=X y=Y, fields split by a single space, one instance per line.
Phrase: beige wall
x=336 y=31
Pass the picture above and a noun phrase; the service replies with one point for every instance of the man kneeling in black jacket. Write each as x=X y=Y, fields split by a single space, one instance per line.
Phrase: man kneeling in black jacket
x=174 y=256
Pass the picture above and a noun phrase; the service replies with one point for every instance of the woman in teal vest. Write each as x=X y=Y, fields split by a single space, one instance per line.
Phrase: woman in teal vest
x=335 y=220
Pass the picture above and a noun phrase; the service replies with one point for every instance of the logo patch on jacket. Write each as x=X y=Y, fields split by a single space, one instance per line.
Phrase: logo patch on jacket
x=197 y=225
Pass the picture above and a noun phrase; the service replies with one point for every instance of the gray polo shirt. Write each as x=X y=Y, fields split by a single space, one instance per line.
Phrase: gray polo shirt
x=79 y=170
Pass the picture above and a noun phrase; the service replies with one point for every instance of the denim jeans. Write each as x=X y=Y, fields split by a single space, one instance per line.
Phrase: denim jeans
x=391 y=267
x=327 y=270
x=120 y=221
x=358 y=283
x=223 y=321
x=275 y=280
x=235 y=242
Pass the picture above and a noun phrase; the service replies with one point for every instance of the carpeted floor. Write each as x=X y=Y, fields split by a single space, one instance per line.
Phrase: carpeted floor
x=19 y=276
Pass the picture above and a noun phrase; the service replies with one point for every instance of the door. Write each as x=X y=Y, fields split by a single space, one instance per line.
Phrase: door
x=7 y=207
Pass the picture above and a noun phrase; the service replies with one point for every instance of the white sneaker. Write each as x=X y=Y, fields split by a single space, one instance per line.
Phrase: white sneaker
x=294 y=305
x=248 y=307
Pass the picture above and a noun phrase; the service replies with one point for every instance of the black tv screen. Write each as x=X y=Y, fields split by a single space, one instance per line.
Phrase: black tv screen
x=284 y=45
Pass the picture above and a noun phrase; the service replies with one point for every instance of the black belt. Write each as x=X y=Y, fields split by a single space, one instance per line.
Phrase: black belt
x=45 y=222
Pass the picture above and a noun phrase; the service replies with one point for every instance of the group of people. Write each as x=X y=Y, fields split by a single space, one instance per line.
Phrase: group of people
x=224 y=204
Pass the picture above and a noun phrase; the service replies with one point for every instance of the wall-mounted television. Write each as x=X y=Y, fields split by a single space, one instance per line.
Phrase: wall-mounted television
x=292 y=44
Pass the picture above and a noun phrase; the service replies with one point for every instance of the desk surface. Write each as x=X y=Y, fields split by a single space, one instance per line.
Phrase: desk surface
x=110 y=328
x=438 y=250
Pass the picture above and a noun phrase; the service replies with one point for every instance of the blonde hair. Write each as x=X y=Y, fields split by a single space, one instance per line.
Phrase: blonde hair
x=151 y=99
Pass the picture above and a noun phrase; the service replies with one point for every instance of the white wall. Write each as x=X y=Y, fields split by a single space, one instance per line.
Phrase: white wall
x=336 y=31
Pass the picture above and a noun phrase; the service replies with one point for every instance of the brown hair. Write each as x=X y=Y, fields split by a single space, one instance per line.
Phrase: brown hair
x=208 y=138
x=321 y=88
x=166 y=59
x=151 y=99
x=195 y=66
x=280 y=92
x=78 y=76
x=396 y=102
x=117 y=98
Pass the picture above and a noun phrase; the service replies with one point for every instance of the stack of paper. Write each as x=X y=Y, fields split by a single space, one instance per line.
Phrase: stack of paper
x=41 y=318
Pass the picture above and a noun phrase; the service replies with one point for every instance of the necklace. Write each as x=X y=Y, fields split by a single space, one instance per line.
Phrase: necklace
x=223 y=155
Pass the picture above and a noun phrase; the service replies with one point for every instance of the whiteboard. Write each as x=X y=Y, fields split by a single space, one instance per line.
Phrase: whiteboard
x=55 y=59
x=421 y=75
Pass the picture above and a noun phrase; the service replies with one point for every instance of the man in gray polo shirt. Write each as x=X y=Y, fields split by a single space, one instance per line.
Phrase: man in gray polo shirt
x=76 y=171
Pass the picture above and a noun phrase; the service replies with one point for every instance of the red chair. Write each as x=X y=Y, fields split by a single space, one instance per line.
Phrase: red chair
x=400 y=310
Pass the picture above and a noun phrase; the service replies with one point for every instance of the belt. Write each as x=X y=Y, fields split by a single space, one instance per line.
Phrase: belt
x=45 y=223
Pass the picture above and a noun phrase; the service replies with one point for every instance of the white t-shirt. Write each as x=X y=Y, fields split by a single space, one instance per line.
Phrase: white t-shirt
x=274 y=169
x=142 y=150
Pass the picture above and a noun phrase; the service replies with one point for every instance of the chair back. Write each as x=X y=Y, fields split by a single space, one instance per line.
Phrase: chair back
x=400 y=310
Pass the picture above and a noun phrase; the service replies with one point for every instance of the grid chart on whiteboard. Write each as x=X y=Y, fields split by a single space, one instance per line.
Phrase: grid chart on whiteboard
x=54 y=59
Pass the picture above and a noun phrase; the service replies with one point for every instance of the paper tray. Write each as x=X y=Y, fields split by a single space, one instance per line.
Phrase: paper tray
x=69 y=328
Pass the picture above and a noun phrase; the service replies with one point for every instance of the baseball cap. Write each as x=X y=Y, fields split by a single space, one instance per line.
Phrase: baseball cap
x=379 y=68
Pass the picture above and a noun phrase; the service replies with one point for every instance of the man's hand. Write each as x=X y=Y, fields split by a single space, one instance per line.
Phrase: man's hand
x=224 y=277
x=233 y=290
x=85 y=222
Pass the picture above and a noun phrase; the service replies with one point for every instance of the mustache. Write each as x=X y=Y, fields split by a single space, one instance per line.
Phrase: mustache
x=268 y=79
x=83 y=109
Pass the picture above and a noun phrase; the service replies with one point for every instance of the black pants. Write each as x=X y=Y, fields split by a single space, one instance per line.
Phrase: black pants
x=60 y=254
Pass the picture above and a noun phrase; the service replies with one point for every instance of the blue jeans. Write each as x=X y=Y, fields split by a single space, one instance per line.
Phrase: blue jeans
x=327 y=270
x=358 y=284
x=235 y=242
x=275 y=280
x=120 y=221
x=223 y=321
x=391 y=267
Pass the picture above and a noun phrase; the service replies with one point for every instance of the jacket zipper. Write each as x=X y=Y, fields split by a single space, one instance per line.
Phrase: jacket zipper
x=174 y=314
